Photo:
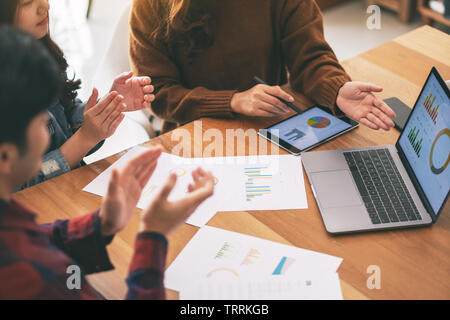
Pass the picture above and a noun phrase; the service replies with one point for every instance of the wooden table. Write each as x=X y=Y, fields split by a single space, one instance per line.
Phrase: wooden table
x=414 y=263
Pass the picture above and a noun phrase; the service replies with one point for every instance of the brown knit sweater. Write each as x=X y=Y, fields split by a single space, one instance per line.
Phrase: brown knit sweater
x=253 y=37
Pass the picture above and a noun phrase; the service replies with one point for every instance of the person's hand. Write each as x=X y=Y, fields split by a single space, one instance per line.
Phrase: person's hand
x=124 y=191
x=358 y=102
x=163 y=215
x=136 y=91
x=102 y=119
x=261 y=101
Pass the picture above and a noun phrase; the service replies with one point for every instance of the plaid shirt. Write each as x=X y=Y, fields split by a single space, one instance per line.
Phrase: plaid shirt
x=34 y=259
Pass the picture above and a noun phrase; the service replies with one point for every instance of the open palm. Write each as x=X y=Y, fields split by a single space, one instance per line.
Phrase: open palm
x=358 y=102
x=163 y=215
x=124 y=191
x=137 y=91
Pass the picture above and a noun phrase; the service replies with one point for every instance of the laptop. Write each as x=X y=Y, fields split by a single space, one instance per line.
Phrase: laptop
x=389 y=187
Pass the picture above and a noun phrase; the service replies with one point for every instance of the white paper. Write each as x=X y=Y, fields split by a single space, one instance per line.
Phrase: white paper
x=242 y=183
x=324 y=286
x=221 y=255
x=99 y=185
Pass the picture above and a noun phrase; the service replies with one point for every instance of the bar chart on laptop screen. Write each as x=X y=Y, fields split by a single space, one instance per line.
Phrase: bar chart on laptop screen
x=432 y=110
x=426 y=142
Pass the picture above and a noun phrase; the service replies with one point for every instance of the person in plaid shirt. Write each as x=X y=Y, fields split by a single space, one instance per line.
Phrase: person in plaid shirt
x=35 y=259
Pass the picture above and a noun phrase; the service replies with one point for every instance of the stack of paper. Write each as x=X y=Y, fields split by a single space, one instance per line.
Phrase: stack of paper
x=242 y=183
x=219 y=264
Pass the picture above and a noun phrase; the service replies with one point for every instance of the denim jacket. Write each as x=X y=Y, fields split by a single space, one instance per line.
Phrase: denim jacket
x=61 y=128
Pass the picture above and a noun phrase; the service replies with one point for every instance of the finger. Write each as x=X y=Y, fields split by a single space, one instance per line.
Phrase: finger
x=113 y=106
x=196 y=197
x=116 y=123
x=201 y=175
x=380 y=104
x=123 y=77
x=201 y=178
x=146 y=174
x=196 y=174
x=144 y=81
x=139 y=100
x=278 y=92
x=149 y=97
x=274 y=111
x=386 y=120
x=102 y=104
x=369 y=87
x=141 y=160
x=168 y=187
x=148 y=89
x=275 y=102
x=374 y=119
x=147 y=164
x=369 y=124
x=92 y=101
x=147 y=105
x=113 y=182
x=108 y=121
x=199 y=194
x=266 y=108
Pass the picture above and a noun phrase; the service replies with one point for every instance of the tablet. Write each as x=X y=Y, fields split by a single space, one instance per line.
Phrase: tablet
x=306 y=130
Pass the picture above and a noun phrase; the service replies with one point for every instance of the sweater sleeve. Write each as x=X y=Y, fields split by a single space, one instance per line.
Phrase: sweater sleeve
x=313 y=66
x=174 y=102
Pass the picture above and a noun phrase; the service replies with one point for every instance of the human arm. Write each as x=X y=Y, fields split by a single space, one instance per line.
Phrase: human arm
x=174 y=102
x=316 y=72
x=101 y=119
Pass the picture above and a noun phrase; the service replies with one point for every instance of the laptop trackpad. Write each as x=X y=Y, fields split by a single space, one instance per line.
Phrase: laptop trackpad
x=335 y=189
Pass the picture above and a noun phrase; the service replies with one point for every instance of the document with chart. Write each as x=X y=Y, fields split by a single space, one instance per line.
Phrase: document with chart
x=323 y=286
x=273 y=182
x=221 y=255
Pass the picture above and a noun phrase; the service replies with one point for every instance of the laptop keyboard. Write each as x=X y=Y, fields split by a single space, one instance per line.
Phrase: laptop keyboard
x=383 y=190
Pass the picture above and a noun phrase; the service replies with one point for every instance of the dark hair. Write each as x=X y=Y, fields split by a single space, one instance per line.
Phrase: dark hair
x=29 y=83
x=8 y=10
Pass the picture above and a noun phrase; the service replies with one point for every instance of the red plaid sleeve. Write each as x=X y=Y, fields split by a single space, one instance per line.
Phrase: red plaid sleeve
x=81 y=239
x=146 y=277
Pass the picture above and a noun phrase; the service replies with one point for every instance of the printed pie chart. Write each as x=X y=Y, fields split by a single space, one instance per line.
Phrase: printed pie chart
x=319 y=122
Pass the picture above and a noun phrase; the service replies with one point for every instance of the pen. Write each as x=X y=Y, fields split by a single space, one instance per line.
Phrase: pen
x=289 y=104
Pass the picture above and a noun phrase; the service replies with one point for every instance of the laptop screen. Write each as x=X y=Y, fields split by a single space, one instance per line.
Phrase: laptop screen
x=425 y=141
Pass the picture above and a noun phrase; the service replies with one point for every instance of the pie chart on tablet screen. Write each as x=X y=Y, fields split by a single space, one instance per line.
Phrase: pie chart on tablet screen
x=319 y=122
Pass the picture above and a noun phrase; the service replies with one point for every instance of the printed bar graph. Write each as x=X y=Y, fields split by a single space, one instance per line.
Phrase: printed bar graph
x=412 y=137
x=224 y=250
x=283 y=265
x=428 y=104
x=256 y=185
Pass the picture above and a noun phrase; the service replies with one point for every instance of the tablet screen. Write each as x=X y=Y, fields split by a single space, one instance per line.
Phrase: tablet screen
x=309 y=128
